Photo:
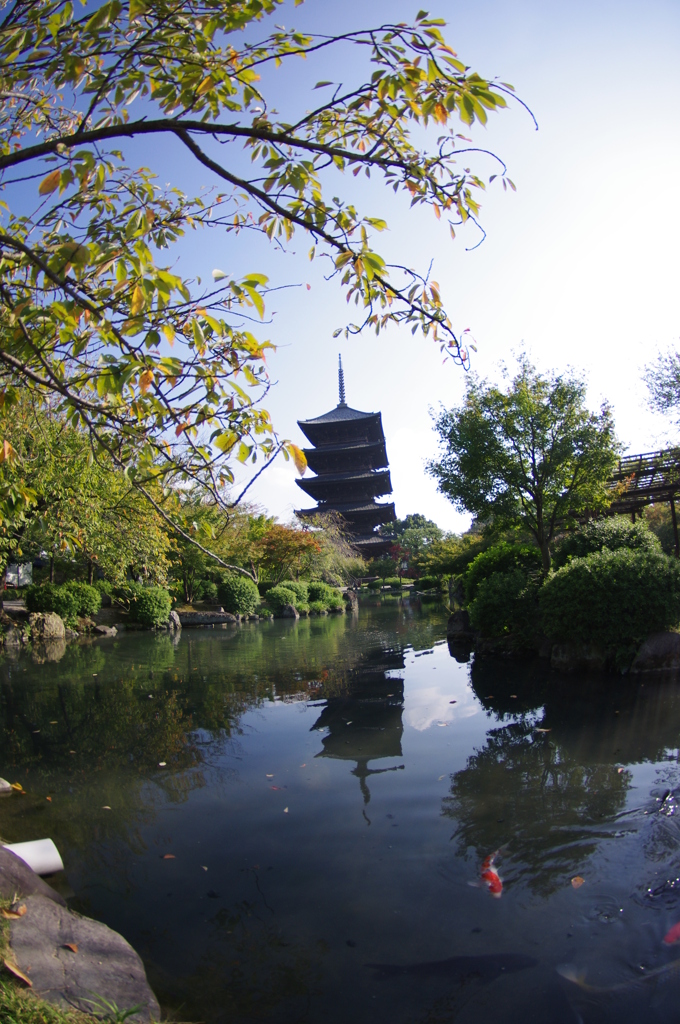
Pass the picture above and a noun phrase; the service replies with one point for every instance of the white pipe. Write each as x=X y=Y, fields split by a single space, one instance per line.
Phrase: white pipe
x=41 y=855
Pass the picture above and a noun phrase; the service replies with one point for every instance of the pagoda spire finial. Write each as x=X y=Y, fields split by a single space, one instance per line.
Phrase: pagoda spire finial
x=341 y=382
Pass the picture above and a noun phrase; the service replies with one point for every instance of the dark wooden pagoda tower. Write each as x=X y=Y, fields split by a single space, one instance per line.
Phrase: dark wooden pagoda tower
x=350 y=460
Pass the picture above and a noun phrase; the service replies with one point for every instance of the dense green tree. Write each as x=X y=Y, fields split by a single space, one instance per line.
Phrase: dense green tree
x=532 y=457
x=91 y=301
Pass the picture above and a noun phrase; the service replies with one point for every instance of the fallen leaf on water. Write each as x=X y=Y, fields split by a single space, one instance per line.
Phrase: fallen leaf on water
x=162 y=764
x=513 y=696
x=619 y=770
x=453 y=702
x=17 y=786
x=270 y=776
x=275 y=787
x=204 y=867
x=440 y=778
x=304 y=765
x=285 y=810
x=49 y=798
x=55 y=722
x=490 y=697
x=72 y=946
x=106 y=807
x=542 y=730
x=17 y=973
x=14 y=915
x=169 y=856
x=577 y=882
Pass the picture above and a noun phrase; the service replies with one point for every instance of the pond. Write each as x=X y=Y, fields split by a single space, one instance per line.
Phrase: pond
x=289 y=821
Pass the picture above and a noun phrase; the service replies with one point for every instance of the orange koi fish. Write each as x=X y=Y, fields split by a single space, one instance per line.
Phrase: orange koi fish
x=490 y=877
x=673 y=935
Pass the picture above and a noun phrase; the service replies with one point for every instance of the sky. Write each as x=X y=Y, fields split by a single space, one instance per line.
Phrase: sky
x=579 y=267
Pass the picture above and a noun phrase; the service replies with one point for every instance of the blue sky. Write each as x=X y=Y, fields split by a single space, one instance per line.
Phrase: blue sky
x=580 y=266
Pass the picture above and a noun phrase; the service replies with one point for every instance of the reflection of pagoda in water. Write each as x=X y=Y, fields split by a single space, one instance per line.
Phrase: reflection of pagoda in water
x=350 y=460
x=365 y=725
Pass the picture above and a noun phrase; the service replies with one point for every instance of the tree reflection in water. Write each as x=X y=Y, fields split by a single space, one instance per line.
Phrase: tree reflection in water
x=548 y=797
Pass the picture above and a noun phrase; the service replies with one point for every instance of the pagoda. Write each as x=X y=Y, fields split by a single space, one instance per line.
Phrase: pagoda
x=350 y=460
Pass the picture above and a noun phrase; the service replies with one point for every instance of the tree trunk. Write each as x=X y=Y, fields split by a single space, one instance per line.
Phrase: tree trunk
x=51 y=566
x=545 y=555
x=90 y=571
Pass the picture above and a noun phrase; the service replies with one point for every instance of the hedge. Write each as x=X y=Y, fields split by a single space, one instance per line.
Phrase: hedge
x=612 y=598
x=506 y=605
x=605 y=534
x=149 y=606
x=238 y=594
x=68 y=600
x=281 y=595
x=429 y=583
x=502 y=558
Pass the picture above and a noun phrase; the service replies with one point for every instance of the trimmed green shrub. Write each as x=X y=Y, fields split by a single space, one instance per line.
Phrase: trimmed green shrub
x=317 y=607
x=265 y=587
x=430 y=583
x=612 y=598
x=609 y=534
x=89 y=598
x=375 y=585
x=319 y=591
x=506 y=604
x=394 y=582
x=502 y=558
x=335 y=601
x=300 y=589
x=238 y=594
x=48 y=597
x=104 y=587
x=281 y=595
x=149 y=606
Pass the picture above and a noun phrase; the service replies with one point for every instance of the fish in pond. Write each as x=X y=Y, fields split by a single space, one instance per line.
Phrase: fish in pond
x=485 y=967
x=490 y=879
x=673 y=935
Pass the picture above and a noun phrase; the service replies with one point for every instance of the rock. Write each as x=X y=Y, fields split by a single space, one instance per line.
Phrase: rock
x=174 y=621
x=459 y=650
x=205 y=618
x=105 y=964
x=458 y=627
x=46 y=626
x=71 y=634
x=289 y=611
x=577 y=658
x=659 y=653
x=105 y=630
x=17 y=878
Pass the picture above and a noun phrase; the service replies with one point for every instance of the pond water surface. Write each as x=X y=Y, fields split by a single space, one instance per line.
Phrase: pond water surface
x=328 y=790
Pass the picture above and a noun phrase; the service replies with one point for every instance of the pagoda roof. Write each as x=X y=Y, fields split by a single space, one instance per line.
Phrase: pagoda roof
x=354 y=510
x=335 y=486
x=340 y=414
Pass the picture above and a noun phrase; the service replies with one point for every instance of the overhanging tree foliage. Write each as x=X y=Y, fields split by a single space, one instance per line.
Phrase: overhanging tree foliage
x=533 y=456
x=164 y=378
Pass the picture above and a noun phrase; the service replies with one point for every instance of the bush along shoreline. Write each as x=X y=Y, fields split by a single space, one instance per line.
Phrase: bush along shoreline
x=610 y=602
x=63 y=612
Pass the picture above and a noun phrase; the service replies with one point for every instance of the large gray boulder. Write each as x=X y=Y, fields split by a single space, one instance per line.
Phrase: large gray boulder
x=174 y=622
x=289 y=611
x=17 y=877
x=577 y=658
x=46 y=626
x=659 y=653
x=100 y=962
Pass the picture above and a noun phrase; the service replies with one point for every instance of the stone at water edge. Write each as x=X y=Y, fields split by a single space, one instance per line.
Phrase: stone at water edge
x=289 y=611
x=174 y=621
x=106 y=630
x=458 y=627
x=659 y=653
x=577 y=657
x=105 y=964
x=17 y=877
x=46 y=626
